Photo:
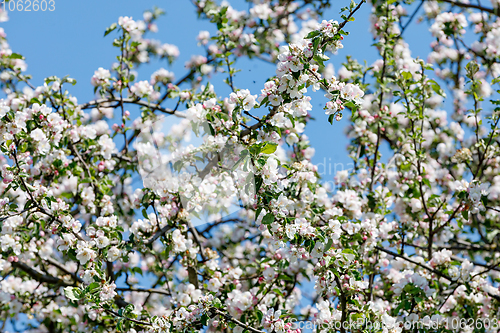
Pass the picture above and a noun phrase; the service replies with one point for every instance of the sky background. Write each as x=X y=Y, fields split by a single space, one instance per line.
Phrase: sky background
x=69 y=41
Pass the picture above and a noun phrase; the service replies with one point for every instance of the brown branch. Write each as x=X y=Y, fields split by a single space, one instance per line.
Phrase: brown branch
x=55 y=263
x=158 y=234
x=145 y=290
x=38 y=276
x=470 y=5
x=154 y=107
x=236 y=321
x=259 y=124
x=126 y=318
x=343 y=304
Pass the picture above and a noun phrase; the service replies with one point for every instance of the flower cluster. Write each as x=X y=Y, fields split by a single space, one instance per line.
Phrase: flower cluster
x=232 y=226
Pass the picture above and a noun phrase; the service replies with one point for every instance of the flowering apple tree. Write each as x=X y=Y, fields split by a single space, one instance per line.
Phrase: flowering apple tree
x=407 y=242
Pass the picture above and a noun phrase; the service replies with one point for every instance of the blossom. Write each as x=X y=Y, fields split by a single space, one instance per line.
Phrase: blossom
x=441 y=257
x=100 y=77
x=162 y=75
x=492 y=42
x=352 y=92
x=38 y=135
x=3 y=108
x=275 y=100
x=65 y=242
x=416 y=205
x=462 y=155
x=85 y=253
x=318 y=250
x=270 y=171
x=203 y=37
x=225 y=234
x=448 y=23
x=269 y=273
x=102 y=241
x=214 y=285
x=114 y=253
x=107 y=145
x=476 y=191
x=127 y=23
x=249 y=102
x=108 y=291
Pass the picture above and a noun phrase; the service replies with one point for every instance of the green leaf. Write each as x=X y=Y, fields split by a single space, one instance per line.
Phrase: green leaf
x=331 y=118
x=70 y=293
x=16 y=56
x=93 y=286
x=119 y=325
x=472 y=68
x=144 y=213
x=260 y=315
x=490 y=236
x=285 y=277
x=328 y=244
x=204 y=319
x=137 y=270
x=269 y=148
x=35 y=100
x=316 y=42
x=264 y=101
x=437 y=89
x=406 y=75
x=312 y=34
x=268 y=219
x=258 y=183
x=110 y=29
x=277 y=291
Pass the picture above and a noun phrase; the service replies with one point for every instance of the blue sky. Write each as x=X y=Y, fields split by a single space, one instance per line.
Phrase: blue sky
x=69 y=41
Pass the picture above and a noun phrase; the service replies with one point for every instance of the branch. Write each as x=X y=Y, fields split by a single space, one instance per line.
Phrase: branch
x=403 y=28
x=145 y=290
x=236 y=321
x=470 y=5
x=126 y=318
x=40 y=277
x=343 y=304
x=259 y=124
x=96 y=103
x=55 y=263
x=430 y=269
x=158 y=234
